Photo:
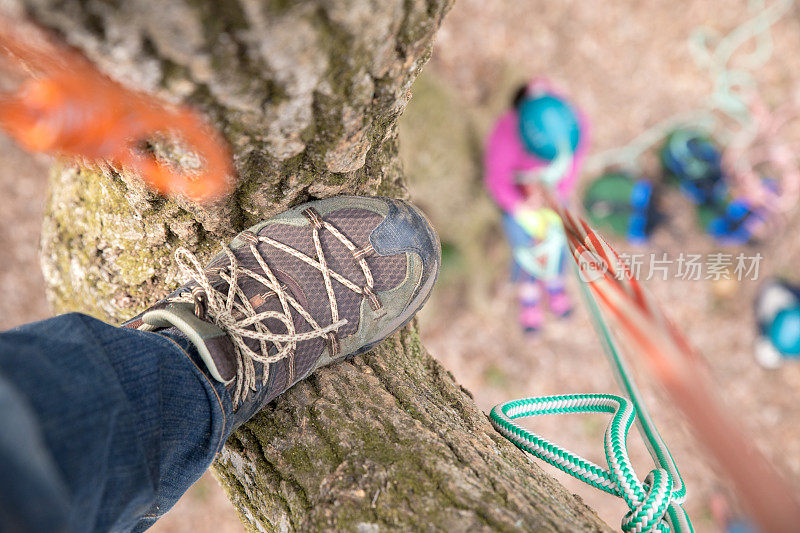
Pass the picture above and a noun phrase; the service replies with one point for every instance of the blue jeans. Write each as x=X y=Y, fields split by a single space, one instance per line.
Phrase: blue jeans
x=101 y=428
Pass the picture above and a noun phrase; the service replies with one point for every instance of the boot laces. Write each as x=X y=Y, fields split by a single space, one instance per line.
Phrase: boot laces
x=233 y=313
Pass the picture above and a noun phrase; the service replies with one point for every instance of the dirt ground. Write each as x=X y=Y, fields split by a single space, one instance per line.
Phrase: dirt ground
x=628 y=66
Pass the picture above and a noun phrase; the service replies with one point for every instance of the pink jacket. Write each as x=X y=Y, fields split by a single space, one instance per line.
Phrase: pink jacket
x=505 y=156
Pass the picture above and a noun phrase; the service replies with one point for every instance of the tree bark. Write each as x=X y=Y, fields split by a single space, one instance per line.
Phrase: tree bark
x=308 y=94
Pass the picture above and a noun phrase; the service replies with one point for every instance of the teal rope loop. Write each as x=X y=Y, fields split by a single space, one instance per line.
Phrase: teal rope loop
x=648 y=501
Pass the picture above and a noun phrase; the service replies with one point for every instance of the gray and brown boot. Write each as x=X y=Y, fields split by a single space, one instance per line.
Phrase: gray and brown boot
x=320 y=282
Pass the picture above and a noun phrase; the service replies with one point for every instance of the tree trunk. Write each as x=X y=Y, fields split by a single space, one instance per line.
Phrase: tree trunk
x=308 y=94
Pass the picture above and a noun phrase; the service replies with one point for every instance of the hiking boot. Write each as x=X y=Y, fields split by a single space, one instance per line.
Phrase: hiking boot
x=320 y=282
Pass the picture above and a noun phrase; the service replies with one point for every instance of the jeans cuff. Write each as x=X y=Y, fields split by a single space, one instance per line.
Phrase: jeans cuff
x=218 y=391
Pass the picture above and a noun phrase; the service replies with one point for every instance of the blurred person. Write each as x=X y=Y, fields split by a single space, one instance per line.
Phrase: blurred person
x=104 y=427
x=541 y=141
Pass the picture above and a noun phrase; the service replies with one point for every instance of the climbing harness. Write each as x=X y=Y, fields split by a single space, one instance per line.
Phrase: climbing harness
x=541 y=260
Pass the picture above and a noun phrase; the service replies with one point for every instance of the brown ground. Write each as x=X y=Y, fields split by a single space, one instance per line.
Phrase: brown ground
x=628 y=66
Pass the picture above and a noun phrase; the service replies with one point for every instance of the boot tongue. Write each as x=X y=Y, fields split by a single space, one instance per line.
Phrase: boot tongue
x=213 y=345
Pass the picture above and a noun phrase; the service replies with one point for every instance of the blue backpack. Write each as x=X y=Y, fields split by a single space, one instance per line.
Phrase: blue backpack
x=695 y=163
x=618 y=202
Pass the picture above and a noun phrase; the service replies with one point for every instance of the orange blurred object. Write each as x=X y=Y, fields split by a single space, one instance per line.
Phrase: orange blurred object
x=65 y=106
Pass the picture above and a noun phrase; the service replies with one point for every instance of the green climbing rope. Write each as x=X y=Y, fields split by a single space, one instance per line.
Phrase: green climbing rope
x=648 y=501
x=655 y=504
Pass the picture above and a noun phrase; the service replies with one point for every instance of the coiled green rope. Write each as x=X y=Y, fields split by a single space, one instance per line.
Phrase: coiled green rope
x=655 y=504
x=648 y=501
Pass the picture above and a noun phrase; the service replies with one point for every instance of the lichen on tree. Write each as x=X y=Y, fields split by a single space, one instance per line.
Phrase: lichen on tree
x=308 y=94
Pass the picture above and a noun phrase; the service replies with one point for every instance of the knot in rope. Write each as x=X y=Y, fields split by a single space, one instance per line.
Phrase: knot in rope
x=650 y=513
x=224 y=319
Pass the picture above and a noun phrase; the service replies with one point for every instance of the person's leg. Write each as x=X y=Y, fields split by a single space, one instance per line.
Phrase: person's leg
x=112 y=425
x=558 y=301
x=530 y=314
x=32 y=492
